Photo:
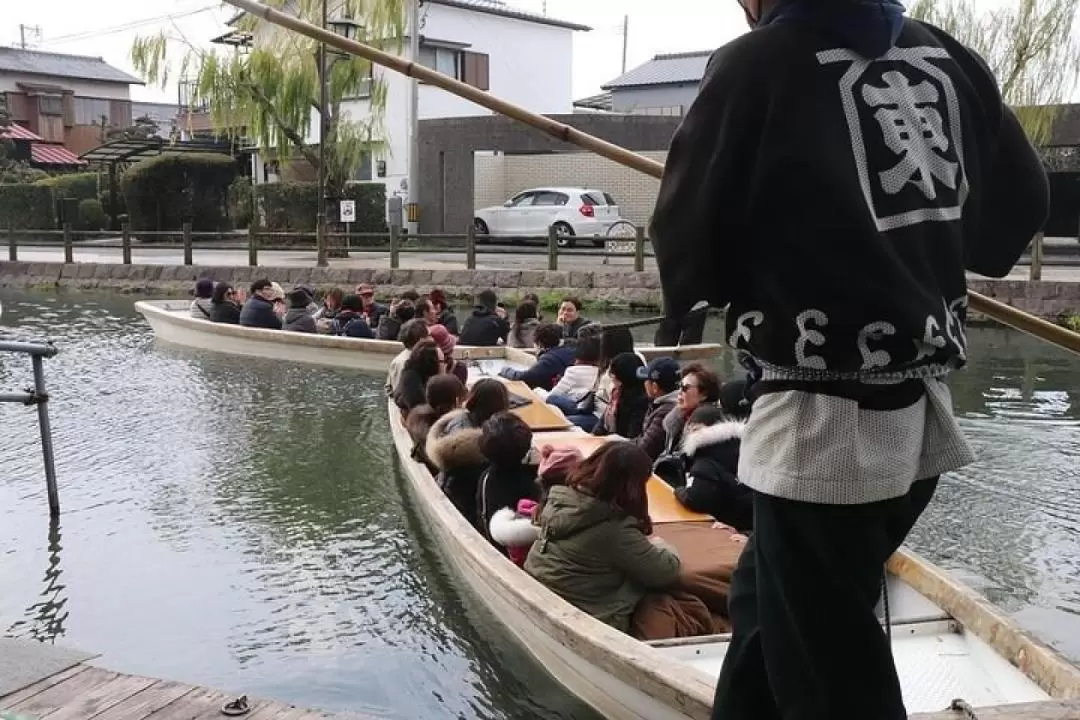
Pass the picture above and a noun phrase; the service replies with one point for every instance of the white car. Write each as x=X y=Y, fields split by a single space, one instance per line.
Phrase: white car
x=573 y=212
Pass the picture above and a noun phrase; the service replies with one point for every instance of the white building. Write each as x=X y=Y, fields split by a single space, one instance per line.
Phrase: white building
x=518 y=56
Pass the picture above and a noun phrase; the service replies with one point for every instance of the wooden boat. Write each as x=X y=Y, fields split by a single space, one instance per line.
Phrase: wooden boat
x=171 y=321
x=948 y=641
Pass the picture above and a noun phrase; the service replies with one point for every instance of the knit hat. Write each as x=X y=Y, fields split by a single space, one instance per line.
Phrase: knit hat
x=733 y=398
x=557 y=463
x=443 y=338
x=204 y=288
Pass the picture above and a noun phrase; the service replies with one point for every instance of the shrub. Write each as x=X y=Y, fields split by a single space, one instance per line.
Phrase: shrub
x=240 y=202
x=27 y=206
x=92 y=215
x=81 y=186
x=295 y=205
x=166 y=191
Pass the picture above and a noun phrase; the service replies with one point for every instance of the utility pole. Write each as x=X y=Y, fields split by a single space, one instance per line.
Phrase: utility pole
x=324 y=132
x=625 y=40
x=22 y=33
x=413 y=207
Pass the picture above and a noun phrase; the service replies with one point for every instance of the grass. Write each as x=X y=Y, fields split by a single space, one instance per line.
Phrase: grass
x=1071 y=321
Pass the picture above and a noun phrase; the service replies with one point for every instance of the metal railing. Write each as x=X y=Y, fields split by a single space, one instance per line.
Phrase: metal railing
x=38 y=396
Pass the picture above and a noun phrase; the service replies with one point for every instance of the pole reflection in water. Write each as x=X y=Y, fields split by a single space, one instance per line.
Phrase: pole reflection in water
x=45 y=619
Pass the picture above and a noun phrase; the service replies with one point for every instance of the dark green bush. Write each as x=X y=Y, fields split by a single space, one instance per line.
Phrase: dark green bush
x=240 y=202
x=294 y=206
x=92 y=215
x=81 y=186
x=26 y=206
x=164 y=192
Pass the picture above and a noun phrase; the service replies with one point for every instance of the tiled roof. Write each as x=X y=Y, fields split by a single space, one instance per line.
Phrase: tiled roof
x=496 y=7
x=14 y=131
x=81 y=67
x=673 y=69
x=601 y=101
x=47 y=154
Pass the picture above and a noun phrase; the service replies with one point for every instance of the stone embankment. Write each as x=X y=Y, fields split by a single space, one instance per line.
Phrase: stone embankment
x=1049 y=299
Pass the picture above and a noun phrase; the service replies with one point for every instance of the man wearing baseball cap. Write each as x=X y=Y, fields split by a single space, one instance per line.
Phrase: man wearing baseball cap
x=373 y=310
x=661 y=378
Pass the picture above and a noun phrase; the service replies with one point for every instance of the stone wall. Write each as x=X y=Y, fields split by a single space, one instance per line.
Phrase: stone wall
x=618 y=288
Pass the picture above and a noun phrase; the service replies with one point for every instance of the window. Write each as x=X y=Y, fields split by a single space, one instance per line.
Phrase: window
x=443 y=60
x=90 y=111
x=525 y=199
x=362 y=171
x=593 y=199
x=51 y=104
x=550 y=198
x=610 y=200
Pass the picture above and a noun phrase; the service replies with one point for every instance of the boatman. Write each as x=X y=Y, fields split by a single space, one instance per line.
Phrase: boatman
x=839 y=171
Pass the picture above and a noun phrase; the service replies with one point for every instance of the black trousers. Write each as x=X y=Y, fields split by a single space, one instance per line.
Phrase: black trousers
x=807 y=644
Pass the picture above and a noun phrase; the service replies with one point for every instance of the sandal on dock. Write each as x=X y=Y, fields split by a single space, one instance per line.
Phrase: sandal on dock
x=239 y=706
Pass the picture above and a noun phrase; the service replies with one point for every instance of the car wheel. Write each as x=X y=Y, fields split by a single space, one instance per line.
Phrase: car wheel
x=564 y=235
x=481 y=229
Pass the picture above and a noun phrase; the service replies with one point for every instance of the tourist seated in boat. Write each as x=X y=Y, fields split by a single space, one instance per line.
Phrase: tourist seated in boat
x=351 y=320
x=259 y=310
x=570 y=319
x=594 y=548
x=372 y=311
x=331 y=304
x=523 y=329
x=444 y=394
x=202 y=307
x=313 y=305
x=412 y=332
x=401 y=311
x=698 y=386
x=487 y=326
x=425 y=311
x=226 y=304
x=453 y=445
x=299 y=318
x=447 y=343
x=613 y=341
x=425 y=361
x=505 y=442
x=551 y=362
x=557 y=464
x=710 y=447
x=444 y=314
x=573 y=394
x=661 y=380
x=627 y=402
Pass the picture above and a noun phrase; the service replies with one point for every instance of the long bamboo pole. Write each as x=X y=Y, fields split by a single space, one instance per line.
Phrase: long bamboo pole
x=1005 y=314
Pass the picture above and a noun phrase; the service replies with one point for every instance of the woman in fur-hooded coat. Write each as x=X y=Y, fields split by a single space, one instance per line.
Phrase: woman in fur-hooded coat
x=710 y=447
x=453 y=446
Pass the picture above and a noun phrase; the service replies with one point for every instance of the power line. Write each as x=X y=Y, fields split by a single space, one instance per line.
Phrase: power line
x=102 y=32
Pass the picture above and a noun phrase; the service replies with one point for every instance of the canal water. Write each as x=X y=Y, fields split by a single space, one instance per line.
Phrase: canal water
x=241 y=523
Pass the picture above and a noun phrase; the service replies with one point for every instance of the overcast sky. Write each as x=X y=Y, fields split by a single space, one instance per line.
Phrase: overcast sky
x=107 y=29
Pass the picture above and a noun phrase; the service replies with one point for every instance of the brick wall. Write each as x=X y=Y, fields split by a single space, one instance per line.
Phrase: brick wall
x=499 y=177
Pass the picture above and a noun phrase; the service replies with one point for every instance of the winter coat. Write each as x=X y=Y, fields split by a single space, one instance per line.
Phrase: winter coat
x=375 y=312
x=259 y=312
x=577 y=382
x=712 y=483
x=227 y=313
x=546 y=371
x=596 y=557
x=389 y=328
x=394 y=373
x=515 y=531
x=351 y=324
x=411 y=390
x=503 y=488
x=418 y=424
x=653 y=437
x=523 y=335
x=453 y=447
x=484 y=328
x=674 y=424
x=299 y=320
x=570 y=331
x=202 y=309
x=449 y=321
x=630 y=412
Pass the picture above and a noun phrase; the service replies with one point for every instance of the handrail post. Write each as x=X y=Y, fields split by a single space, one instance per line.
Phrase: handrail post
x=69 y=250
x=46 y=435
x=470 y=247
x=253 y=246
x=395 y=241
x=1035 y=270
x=639 y=249
x=125 y=243
x=13 y=245
x=553 y=248
x=187 y=244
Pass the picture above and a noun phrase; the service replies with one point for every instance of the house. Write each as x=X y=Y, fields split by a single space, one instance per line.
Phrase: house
x=64 y=99
x=665 y=85
x=521 y=57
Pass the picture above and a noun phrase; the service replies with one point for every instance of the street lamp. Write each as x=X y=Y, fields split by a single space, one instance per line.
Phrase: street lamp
x=345 y=27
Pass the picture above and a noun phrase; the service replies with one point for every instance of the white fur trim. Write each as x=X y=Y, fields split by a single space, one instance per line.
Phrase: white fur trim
x=509 y=530
x=712 y=435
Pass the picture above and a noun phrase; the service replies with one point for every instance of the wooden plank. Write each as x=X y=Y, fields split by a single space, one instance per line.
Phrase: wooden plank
x=146 y=703
x=99 y=699
x=1055 y=710
x=199 y=704
x=538 y=415
x=64 y=693
x=11 y=700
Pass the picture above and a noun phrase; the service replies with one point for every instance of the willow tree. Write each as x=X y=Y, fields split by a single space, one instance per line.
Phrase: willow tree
x=267 y=91
x=1030 y=45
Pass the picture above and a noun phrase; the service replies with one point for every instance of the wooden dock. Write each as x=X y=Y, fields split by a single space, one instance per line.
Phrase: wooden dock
x=87 y=692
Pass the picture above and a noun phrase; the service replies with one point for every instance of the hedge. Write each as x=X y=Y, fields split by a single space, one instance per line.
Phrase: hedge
x=294 y=206
x=26 y=206
x=81 y=186
x=92 y=215
x=164 y=192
